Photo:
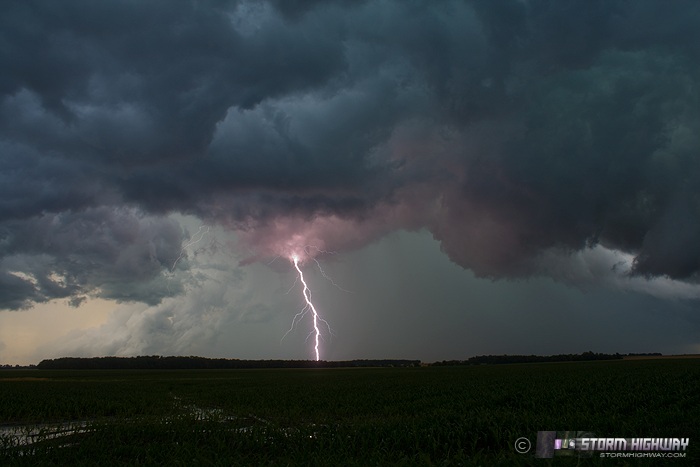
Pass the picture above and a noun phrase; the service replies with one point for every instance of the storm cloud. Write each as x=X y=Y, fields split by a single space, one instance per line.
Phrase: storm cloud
x=514 y=131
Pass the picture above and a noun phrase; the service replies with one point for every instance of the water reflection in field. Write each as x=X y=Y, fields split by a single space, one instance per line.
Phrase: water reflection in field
x=22 y=436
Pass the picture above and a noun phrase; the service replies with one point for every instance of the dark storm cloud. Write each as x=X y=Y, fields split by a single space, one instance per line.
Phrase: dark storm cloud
x=508 y=129
x=115 y=253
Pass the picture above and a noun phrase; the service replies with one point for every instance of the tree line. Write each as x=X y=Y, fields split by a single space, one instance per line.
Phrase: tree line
x=500 y=359
x=156 y=362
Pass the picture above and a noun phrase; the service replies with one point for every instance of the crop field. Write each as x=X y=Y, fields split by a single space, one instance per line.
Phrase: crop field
x=468 y=415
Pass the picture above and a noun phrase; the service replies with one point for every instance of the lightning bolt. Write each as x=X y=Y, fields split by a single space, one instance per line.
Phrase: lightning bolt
x=328 y=278
x=196 y=238
x=318 y=264
x=309 y=306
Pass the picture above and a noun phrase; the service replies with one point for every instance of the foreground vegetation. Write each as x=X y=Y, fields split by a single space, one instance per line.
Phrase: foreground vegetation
x=469 y=415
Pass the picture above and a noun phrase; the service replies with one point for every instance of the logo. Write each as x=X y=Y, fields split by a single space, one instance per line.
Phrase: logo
x=522 y=445
x=581 y=443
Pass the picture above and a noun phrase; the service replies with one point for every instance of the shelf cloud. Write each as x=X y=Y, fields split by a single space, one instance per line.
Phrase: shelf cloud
x=513 y=131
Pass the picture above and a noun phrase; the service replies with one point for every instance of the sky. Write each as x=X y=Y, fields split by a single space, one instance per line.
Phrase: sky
x=456 y=178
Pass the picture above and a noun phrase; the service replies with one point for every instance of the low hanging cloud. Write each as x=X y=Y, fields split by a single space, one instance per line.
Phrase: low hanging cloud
x=109 y=252
x=510 y=130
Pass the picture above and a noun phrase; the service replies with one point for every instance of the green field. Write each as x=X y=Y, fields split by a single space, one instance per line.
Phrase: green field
x=467 y=415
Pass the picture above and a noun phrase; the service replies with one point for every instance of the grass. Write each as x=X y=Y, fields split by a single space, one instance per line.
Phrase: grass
x=391 y=416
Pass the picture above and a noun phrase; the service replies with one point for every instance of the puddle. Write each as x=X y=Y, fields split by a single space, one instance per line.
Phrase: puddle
x=203 y=414
x=24 y=378
x=26 y=435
